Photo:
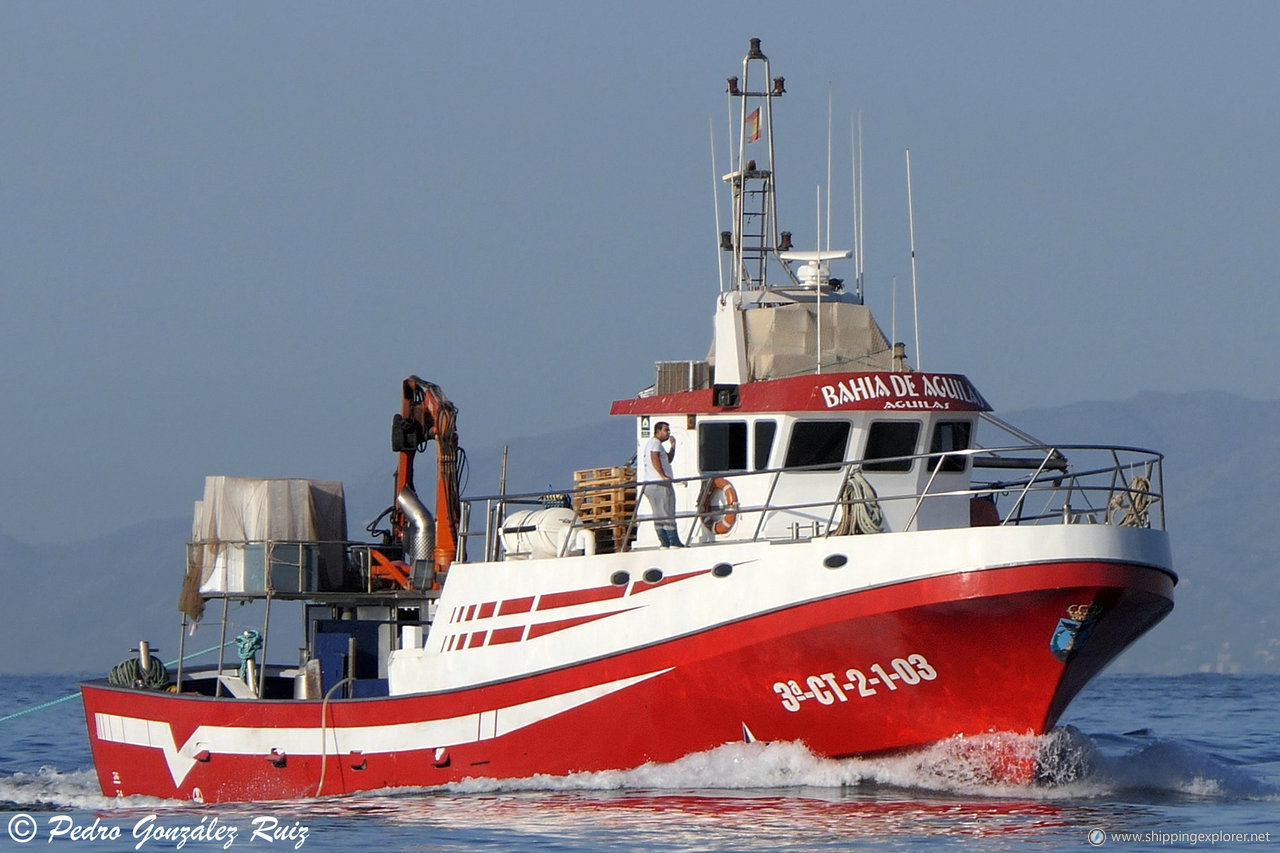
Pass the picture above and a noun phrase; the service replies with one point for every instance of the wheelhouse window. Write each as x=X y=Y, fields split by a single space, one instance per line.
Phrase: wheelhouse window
x=722 y=446
x=949 y=436
x=818 y=443
x=765 y=431
x=887 y=440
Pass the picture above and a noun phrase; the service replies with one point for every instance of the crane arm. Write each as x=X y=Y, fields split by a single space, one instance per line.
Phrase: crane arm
x=426 y=414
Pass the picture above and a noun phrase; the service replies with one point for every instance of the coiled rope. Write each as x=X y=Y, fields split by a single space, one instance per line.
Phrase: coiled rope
x=247 y=645
x=1134 y=500
x=862 y=512
x=129 y=673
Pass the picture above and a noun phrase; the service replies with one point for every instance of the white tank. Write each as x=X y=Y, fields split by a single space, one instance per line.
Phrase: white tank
x=540 y=533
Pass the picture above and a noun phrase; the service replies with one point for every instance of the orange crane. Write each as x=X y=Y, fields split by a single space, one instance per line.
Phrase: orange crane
x=426 y=415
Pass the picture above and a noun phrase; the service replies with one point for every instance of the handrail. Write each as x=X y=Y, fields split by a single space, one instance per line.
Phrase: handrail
x=272 y=556
x=1082 y=490
x=1050 y=474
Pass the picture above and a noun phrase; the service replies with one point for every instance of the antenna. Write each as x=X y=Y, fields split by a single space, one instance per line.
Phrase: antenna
x=859 y=265
x=819 y=262
x=733 y=165
x=715 y=198
x=853 y=194
x=828 y=167
x=915 y=297
x=893 y=318
x=855 y=155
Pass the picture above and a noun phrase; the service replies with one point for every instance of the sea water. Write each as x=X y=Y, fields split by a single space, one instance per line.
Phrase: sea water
x=1138 y=762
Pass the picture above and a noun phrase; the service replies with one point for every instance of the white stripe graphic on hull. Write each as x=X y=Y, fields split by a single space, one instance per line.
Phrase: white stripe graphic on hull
x=395 y=737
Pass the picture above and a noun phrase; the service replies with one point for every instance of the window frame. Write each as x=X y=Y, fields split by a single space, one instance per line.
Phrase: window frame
x=901 y=466
x=759 y=464
x=825 y=464
x=707 y=428
x=951 y=464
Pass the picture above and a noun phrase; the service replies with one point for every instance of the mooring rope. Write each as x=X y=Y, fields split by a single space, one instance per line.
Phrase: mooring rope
x=1133 y=502
x=862 y=512
x=247 y=645
x=324 y=749
x=76 y=695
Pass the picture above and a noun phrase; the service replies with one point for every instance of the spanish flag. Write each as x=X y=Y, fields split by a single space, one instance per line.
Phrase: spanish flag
x=753 y=125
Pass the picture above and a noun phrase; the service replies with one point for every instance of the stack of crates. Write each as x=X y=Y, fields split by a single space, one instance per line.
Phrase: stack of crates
x=605 y=500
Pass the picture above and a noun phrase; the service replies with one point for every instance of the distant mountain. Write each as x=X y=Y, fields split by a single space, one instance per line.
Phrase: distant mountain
x=1221 y=451
x=81 y=607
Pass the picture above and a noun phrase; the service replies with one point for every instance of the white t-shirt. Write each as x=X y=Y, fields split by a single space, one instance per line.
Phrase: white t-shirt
x=647 y=472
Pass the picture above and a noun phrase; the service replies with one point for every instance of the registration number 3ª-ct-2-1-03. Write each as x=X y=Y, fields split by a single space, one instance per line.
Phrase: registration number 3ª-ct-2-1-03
x=827 y=689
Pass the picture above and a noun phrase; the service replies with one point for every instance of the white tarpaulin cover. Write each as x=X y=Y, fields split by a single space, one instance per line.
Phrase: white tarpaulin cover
x=238 y=518
x=782 y=340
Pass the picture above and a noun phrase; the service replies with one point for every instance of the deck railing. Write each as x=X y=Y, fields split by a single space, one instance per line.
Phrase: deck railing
x=1059 y=484
x=1040 y=485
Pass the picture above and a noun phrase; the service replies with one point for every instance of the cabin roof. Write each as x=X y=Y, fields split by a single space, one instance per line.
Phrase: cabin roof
x=822 y=392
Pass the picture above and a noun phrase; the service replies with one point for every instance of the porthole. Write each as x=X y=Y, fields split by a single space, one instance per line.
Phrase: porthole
x=652 y=575
x=722 y=570
x=835 y=561
x=620 y=579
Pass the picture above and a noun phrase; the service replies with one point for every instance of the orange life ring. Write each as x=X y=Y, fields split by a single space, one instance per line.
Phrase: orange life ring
x=721 y=522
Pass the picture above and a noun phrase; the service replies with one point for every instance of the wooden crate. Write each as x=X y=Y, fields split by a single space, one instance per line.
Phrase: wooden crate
x=603 y=476
x=605 y=502
x=607 y=510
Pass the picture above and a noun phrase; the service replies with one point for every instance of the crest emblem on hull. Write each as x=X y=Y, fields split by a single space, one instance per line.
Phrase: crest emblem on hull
x=1072 y=632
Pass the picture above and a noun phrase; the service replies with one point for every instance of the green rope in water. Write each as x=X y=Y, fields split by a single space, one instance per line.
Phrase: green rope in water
x=76 y=695
x=40 y=707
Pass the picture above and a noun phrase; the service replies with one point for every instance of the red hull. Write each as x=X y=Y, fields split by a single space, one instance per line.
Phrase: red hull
x=875 y=670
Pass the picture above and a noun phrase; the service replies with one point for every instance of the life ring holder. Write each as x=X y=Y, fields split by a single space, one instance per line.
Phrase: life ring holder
x=719 y=521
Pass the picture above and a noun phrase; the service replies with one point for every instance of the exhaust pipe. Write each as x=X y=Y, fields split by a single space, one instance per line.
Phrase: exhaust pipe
x=420 y=535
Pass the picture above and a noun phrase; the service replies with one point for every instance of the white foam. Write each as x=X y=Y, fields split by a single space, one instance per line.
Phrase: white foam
x=76 y=789
x=1069 y=766
x=951 y=766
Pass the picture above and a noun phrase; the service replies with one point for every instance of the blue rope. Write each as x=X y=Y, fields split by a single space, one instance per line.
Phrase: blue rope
x=76 y=695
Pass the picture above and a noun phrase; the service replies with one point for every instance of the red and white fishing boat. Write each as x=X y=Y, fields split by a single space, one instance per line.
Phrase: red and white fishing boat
x=856 y=572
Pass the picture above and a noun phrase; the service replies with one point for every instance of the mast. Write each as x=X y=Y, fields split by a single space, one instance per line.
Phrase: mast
x=755 y=241
x=755 y=236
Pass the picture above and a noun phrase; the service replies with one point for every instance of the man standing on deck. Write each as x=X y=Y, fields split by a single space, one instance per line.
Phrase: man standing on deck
x=655 y=467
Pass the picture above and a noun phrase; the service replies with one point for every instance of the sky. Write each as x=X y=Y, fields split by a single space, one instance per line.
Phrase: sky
x=228 y=231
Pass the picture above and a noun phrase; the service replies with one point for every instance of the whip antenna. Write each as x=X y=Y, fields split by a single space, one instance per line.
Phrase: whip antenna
x=915 y=297
x=818 y=277
x=828 y=167
x=715 y=198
